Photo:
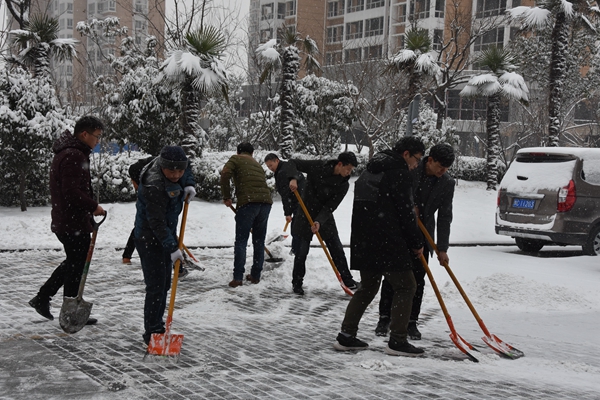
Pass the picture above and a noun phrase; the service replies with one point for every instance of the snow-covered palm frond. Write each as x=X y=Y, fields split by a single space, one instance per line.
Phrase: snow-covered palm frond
x=469 y=91
x=271 y=44
x=170 y=67
x=64 y=49
x=482 y=79
x=426 y=63
x=403 y=56
x=531 y=16
x=190 y=64
x=567 y=8
x=270 y=55
x=514 y=86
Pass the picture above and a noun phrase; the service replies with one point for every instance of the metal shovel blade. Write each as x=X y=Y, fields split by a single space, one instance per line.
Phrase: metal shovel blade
x=463 y=346
x=74 y=314
x=502 y=348
x=165 y=344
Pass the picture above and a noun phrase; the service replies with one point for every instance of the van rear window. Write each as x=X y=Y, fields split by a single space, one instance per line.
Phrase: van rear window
x=590 y=171
x=543 y=158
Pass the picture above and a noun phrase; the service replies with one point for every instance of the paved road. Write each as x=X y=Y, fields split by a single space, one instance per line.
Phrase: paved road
x=271 y=345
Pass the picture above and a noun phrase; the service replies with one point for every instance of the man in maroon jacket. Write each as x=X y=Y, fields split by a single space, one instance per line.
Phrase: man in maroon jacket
x=73 y=205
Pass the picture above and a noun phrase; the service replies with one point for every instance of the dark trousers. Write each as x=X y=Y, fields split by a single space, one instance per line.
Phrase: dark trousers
x=403 y=289
x=387 y=292
x=130 y=246
x=250 y=217
x=157 y=267
x=68 y=273
x=336 y=250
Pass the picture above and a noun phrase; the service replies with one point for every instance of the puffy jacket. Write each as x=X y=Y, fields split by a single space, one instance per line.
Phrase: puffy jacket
x=70 y=186
x=159 y=204
x=249 y=179
x=322 y=195
x=384 y=225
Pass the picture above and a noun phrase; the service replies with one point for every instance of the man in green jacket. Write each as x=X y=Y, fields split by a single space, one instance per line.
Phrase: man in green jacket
x=253 y=208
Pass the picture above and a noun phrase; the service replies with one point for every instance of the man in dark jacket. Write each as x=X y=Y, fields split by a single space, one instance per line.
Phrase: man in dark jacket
x=253 y=209
x=326 y=186
x=434 y=193
x=281 y=170
x=384 y=240
x=164 y=185
x=73 y=205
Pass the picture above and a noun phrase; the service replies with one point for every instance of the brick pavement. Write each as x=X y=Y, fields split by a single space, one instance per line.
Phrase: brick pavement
x=270 y=345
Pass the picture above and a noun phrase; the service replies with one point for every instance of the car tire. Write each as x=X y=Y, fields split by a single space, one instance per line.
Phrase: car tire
x=592 y=245
x=529 y=245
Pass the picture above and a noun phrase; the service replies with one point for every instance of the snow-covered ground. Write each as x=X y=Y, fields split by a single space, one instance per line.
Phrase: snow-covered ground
x=538 y=303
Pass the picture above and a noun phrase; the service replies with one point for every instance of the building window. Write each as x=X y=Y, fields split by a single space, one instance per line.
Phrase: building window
x=266 y=11
x=374 y=4
x=438 y=39
x=92 y=9
x=354 y=30
x=333 y=58
x=440 y=7
x=355 y=5
x=266 y=34
x=373 y=52
x=490 y=8
x=141 y=6
x=112 y=5
x=421 y=9
x=69 y=23
x=374 y=27
x=100 y=7
x=353 y=55
x=493 y=37
x=290 y=10
x=61 y=23
x=335 y=8
x=281 y=8
x=70 y=8
x=62 y=8
x=401 y=16
x=335 y=34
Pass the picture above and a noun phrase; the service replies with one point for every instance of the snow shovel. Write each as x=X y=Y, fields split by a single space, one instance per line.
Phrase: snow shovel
x=490 y=339
x=75 y=311
x=194 y=264
x=169 y=344
x=279 y=238
x=271 y=259
x=335 y=270
x=461 y=343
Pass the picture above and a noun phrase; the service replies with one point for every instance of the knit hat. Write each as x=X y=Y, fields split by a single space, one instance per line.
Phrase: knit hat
x=173 y=157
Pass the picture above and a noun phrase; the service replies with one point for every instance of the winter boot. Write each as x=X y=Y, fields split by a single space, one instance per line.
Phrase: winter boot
x=345 y=342
x=42 y=306
x=413 y=332
x=352 y=285
x=251 y=279
x=383 y=326
x=235 y=283
x=298 y=289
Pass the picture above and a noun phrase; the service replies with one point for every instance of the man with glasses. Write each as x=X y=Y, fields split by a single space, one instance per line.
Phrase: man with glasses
x=434 y=193
x=73 y=207
x=383 y=242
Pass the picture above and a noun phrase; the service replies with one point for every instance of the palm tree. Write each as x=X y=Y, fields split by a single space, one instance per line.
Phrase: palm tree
x=500 y=82
x=562 y=16
x=286 y=55
x=197 y=69
x=416 y=61
x=38 y=43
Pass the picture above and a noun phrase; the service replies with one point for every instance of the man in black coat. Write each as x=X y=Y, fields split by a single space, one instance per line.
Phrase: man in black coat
x=281 y=171
x=385 y=238
x=73 y=205
x=434 y=192
x=326 y=186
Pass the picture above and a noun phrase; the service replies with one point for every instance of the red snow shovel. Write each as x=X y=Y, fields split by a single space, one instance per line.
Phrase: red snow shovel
x=75 y=311
x=271 y=259
x=310 y=221
x=461 y=343
x=169 y=344
x=491 y=340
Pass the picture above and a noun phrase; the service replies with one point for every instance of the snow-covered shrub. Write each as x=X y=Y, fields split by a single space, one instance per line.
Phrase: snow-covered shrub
x=473 y=169
x=110 y=176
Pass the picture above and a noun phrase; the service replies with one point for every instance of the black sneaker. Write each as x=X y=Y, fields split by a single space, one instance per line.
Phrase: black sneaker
x=42 y=307
x=413 y=332
x=91 y=321
x=346 y=343
x=298 y=289
x=383 y=326
x=353 y=285
x=395 y=348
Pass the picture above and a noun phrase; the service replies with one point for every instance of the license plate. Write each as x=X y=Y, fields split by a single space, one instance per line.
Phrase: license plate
x=523 y=203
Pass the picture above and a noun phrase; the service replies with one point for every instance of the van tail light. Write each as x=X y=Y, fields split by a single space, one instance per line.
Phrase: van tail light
x=498 y=198
x=566 y=197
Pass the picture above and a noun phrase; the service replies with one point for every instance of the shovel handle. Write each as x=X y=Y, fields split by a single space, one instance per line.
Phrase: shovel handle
x=96 y=224
x=286 y=225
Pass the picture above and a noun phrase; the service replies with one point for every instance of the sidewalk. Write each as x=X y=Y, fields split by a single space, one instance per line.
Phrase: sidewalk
x=263 y=344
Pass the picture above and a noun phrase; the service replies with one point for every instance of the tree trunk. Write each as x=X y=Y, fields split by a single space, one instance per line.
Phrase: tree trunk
x=493 y=140
x=22 y=187
x=558 y=71
x=290 y=67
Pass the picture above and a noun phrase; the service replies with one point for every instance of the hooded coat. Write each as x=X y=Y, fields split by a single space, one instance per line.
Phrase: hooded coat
x=70 y=186
x=384 y=226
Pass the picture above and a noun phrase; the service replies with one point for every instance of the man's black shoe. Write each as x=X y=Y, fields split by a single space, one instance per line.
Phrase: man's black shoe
x=413 y=332
x=395 y=348
x=298 y=290
x=42 y=307
x=347 y=343
x=91 y=321
x=383 y=326
x=353 y=285
x=147 y=336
